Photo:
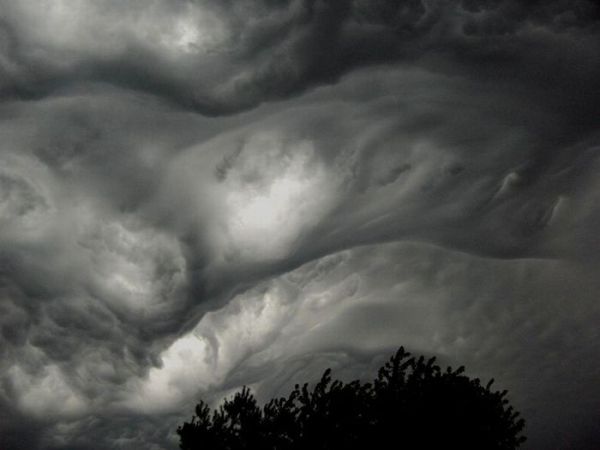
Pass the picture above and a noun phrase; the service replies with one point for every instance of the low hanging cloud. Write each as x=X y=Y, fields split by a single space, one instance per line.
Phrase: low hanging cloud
x=200 y=195
x=218 y=58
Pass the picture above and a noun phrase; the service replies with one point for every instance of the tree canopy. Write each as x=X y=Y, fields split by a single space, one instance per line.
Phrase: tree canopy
x=412 y=404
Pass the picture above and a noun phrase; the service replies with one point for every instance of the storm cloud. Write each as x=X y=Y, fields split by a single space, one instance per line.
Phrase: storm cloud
x=200 y=195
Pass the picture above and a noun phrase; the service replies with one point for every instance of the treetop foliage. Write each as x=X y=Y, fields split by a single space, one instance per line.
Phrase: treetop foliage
x=412 y=404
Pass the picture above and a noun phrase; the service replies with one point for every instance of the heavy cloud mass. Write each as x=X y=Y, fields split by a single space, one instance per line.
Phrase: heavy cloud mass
x=200 y=195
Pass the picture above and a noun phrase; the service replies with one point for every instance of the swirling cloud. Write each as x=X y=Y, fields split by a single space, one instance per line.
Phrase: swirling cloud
x=197 y=195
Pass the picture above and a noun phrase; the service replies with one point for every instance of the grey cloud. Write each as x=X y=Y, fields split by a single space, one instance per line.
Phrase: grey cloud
x=242 y=55
x=530 y=320
x=417 y=173
x=477 y=193
x=19 y=198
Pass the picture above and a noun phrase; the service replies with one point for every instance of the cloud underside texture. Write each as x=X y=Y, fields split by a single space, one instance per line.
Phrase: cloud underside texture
x=195 y=196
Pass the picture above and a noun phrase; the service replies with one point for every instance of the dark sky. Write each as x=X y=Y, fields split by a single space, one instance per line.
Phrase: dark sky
x=201 y=194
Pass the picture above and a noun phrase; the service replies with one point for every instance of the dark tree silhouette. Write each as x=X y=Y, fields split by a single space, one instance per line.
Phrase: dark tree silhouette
x=412 y=404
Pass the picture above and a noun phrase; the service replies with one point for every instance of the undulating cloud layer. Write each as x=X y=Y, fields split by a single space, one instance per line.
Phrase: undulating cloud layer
x=200 y=195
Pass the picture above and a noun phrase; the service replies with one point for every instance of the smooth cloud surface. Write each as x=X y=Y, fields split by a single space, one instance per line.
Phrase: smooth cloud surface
x=200 y=195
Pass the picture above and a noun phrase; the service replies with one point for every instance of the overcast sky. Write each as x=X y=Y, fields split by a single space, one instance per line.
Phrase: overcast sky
x=197 y=195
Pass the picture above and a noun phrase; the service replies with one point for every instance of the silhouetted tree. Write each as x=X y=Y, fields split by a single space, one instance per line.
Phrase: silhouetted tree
x=412 y=404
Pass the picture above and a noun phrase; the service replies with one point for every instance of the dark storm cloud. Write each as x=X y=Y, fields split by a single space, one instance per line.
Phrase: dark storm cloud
x=256 y=51
x=406 y=166
x=424 y=173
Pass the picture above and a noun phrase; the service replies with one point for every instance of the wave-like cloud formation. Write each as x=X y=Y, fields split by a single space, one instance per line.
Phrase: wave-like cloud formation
x=221 y=57
x=200 y=195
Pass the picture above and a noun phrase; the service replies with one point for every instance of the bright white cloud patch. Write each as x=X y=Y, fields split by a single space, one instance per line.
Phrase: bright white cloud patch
x=203 y=358
x=252 y=195
x=273 y=192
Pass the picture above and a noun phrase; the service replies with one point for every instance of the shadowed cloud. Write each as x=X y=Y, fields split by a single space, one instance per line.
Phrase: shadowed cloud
x=198 y=195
